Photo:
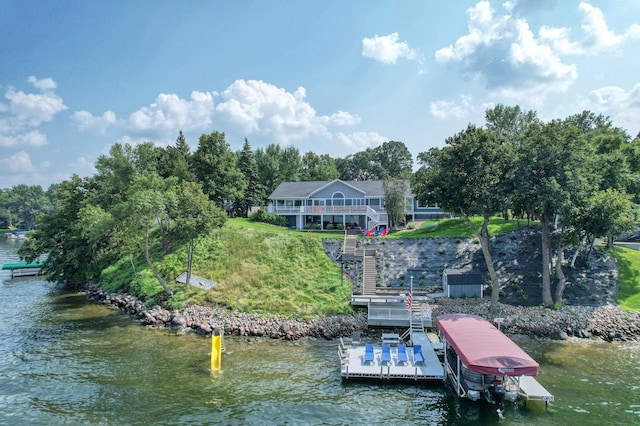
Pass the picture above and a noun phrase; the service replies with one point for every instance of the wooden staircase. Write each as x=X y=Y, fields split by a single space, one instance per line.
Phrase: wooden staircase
x=369 y=275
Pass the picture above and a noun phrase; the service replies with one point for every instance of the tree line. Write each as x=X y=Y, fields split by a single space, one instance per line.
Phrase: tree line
x=143 y=200
x=578 y=174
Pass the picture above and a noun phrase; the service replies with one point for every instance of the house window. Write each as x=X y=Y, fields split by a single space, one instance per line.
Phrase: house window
x=338 y=199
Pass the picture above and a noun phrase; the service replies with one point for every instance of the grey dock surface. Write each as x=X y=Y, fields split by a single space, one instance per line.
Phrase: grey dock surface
x=352 y=364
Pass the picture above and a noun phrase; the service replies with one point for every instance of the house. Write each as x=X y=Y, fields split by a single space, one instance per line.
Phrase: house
x=343 y=204
x=462 y=283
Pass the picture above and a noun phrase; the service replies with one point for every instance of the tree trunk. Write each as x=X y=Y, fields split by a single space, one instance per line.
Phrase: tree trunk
x=562 y=279
x=190 y=259
x=153 y=269
x=483 y=237
x=610 y=241
x=575 y=255
x=546 y=261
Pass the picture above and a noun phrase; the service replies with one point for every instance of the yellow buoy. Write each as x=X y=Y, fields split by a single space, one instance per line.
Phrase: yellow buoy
x=216 y=352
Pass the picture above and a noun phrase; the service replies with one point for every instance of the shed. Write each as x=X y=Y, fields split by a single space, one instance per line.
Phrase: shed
x=462 y=283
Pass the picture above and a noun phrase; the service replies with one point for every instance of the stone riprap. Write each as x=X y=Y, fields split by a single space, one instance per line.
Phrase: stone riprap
x=606 y=322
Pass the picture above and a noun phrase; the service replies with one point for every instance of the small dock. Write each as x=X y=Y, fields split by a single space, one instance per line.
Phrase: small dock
x=353 y=364
x=531 y=390
x=23 y=269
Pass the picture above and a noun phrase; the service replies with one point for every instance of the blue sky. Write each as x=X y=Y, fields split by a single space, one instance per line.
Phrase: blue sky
x=327 y=76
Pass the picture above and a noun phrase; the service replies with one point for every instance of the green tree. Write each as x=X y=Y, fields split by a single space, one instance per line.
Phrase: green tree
x=214 y=166
x=116 y=172
x=318 y=167
x=466 y=176
x=27 y=203
x=254 y=195
x=149 y=200
x=553 y=176
x=395 y=200
x=68 y=256
x=360 y=166
x=7 y=217
x=195 y=215
x=176 y=159
x=394 y=160
x=277 y=165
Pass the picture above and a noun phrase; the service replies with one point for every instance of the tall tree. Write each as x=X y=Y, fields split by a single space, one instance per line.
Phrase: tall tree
x=394 y=159
x=277 y=165
x=360 y=166
x=27 y=203
x=466 y=176
x=318 y=167
x=195 y=215
x=553 y=176
x=214 y=165
x=176 y=160
x=150 y=199
x=58 y=239
x=254 y=195
x=395 y=200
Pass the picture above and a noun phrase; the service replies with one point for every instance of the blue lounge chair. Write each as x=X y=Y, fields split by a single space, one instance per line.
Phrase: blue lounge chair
x=368 y=353
x=386 y=353
x=417 y=354
x=402 y=353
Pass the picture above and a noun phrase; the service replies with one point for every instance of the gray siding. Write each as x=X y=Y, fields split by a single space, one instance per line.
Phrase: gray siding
x=346 y=190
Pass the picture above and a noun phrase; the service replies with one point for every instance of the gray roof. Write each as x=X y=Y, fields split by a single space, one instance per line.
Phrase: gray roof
x=370 y=188
x=463 y=277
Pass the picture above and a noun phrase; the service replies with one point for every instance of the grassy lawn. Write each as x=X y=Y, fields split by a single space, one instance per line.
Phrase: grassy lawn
x=264 y=269
x=458 y=228
x=628 y=295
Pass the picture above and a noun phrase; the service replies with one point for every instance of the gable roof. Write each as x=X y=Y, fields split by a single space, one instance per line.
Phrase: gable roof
x=369 y=188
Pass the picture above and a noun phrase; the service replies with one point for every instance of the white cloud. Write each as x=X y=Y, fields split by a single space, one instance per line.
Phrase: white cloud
x=597 y=38
x=19 y=162
x=622 y=106
x=245 y=108
x=503 y=54
x=388 y=49
x=25 y=112
x=32 y=138
x=451 y=109
x=359 y=141
x=44 y=84
x=170 y=113
x=254 y=106
x=88 y=122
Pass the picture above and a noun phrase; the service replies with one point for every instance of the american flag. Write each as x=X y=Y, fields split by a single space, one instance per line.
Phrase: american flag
x=409 y=300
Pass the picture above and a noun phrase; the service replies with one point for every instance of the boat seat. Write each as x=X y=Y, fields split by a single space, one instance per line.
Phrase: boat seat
x=417 y=354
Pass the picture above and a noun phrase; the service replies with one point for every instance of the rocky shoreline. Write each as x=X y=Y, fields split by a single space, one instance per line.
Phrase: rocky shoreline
x=608 y=323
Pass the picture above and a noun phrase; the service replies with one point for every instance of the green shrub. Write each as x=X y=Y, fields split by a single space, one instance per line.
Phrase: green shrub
x=264 y=217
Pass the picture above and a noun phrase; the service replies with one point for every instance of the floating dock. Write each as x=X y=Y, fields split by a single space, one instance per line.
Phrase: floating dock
x=354 y=365
x=531 y=390
x=23 y=269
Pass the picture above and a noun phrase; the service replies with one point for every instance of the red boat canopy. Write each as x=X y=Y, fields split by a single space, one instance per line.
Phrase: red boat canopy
x=483 y=348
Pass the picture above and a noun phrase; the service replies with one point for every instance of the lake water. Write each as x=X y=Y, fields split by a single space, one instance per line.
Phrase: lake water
x=64 y=360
